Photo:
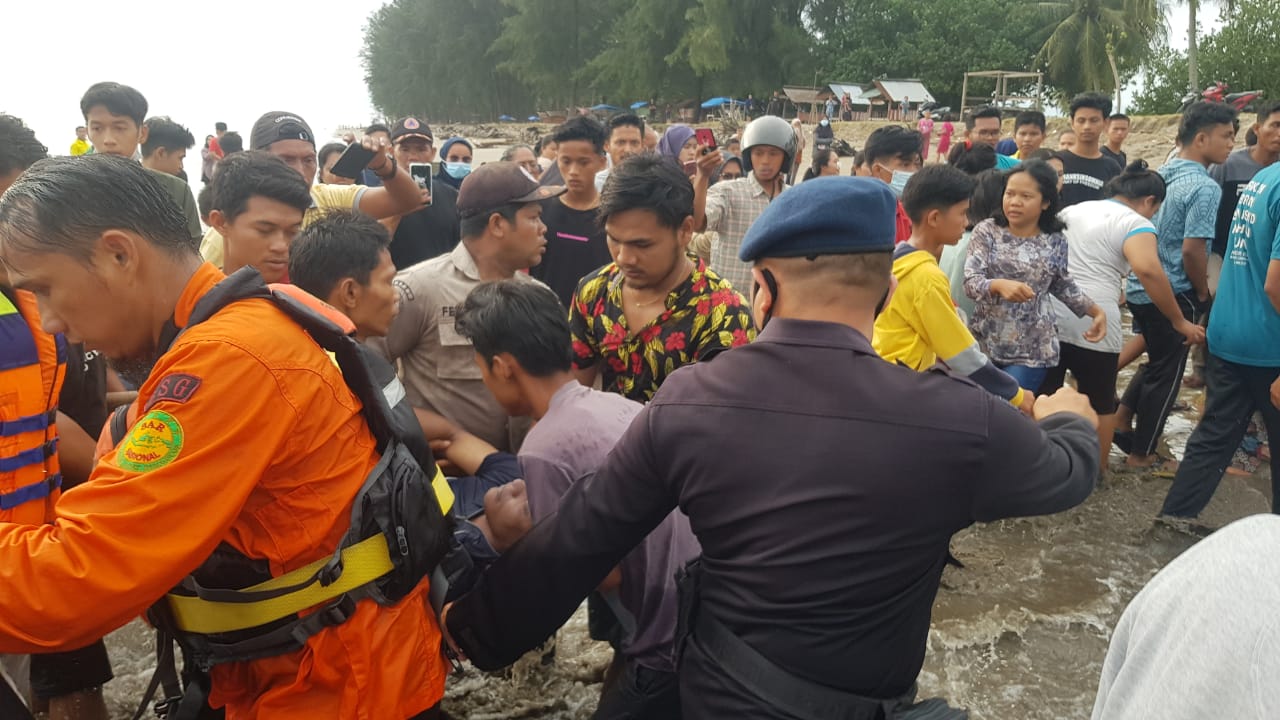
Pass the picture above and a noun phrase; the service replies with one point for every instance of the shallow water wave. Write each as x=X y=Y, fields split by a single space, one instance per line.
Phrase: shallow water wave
x=1019 y=633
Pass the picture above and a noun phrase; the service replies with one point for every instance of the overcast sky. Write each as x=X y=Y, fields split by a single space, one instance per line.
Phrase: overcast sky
x=230 y=60
x=200 y=63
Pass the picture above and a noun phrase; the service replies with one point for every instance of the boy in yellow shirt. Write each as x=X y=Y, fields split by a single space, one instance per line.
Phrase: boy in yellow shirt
x=920 y=325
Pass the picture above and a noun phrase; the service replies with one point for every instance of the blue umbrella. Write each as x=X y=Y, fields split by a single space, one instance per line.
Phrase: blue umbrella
x=534 y=118
x=506 y=118
x=638 y=105
x=603 y=108
x=716 y=102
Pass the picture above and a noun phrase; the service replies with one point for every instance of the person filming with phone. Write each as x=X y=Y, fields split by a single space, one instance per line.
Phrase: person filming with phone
x=432 y=230
x=289 y=137
x=769 y=147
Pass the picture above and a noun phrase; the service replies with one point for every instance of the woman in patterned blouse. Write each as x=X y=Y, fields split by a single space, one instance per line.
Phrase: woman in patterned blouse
x=1017 y=260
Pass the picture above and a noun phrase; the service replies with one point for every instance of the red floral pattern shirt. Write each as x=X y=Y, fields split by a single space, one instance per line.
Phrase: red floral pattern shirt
x=704 y=315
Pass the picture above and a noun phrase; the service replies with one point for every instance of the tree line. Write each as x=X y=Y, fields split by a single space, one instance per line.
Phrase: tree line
x=479 y=59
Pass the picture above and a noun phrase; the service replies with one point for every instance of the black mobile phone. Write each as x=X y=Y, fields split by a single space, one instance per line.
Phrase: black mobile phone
x=353 y=160
x=421 y=174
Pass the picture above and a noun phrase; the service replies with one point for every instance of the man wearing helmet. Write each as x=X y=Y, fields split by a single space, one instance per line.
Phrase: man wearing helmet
x=768 y=148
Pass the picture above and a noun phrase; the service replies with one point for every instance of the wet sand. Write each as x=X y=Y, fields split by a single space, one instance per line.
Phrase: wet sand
x=1018 y=634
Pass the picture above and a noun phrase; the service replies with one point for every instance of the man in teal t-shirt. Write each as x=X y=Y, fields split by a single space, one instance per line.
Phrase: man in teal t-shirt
x=1243 y=370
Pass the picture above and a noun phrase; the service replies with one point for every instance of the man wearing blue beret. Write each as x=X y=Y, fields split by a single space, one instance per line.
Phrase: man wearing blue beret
x=824 y=530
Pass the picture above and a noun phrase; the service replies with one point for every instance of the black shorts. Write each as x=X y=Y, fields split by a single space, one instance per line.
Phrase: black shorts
x=1095 y=373
x=62 y=673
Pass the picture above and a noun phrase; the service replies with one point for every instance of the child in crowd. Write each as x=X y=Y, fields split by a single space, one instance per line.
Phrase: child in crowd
x=1016 y=261
x=920 y=325
x=944 y=136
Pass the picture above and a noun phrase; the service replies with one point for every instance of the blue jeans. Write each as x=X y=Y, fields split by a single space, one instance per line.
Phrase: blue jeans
x=1029 y=378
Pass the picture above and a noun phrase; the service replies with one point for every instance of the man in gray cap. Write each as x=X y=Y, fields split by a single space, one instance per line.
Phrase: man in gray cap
x=800 y=461
x=289 y=138
x=502 y=234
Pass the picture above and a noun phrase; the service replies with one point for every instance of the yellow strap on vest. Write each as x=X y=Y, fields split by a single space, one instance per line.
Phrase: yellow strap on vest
x=444 y=493
x=6 y=306
x=362 y=563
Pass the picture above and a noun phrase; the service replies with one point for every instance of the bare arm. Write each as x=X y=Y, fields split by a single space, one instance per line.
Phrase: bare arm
x=707 y=165
x=1195 y=262
x=1272 y=284
x=399 y=194
x=587 y=375
x=1144 y=260
x=460 y=447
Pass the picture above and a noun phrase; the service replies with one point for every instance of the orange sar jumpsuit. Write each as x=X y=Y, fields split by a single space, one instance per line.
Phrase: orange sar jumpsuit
x=245 y=433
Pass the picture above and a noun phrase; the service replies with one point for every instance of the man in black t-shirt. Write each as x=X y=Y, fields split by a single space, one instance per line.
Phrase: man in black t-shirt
x=1085 y=170
x=1117 y=132
x=434 y=230
x=576 y=243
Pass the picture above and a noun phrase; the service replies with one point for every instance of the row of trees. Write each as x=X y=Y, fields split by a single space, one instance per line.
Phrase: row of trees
x=465 y=59
x=1243 y=53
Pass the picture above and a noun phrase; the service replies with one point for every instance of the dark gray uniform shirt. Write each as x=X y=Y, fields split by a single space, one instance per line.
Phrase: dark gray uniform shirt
x=824 y=485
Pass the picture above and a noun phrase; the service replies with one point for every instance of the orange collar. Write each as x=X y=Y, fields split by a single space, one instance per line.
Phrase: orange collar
x=201 y=282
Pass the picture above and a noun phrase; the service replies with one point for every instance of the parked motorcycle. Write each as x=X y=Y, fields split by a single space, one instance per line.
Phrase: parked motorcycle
x=1217 y=92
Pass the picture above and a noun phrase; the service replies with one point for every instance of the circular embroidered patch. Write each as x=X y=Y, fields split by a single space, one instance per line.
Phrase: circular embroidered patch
x=153 y=442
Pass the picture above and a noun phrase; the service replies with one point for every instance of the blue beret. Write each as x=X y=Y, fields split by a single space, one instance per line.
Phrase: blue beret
x=825 y=216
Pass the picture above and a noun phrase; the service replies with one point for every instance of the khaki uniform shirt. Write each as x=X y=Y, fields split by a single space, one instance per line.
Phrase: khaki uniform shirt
x=437 y=365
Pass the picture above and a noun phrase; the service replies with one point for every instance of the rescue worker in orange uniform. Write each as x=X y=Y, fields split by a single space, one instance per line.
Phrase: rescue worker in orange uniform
x=246 y=435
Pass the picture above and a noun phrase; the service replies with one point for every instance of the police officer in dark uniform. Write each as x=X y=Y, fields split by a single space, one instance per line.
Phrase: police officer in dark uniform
x=823 y=483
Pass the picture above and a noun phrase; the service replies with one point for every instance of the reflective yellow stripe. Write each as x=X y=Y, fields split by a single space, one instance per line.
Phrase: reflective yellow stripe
x=6 y=306
x=444 y=493
x=363 y=562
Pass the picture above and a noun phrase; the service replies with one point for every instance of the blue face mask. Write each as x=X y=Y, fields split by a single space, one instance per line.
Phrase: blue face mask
x=457 y=170
x=899 y=182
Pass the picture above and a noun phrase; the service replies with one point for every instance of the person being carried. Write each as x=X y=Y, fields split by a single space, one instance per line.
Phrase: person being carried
x=920 y=325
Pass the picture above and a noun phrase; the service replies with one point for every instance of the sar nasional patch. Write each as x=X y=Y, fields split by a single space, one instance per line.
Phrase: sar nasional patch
x=153 y=442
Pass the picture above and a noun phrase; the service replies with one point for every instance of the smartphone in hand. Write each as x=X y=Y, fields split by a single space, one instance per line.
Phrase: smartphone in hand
x=352 y=161
x=706 y=139
x=421 y=174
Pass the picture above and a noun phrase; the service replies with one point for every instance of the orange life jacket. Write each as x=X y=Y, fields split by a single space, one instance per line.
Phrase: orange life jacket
x=32 y=368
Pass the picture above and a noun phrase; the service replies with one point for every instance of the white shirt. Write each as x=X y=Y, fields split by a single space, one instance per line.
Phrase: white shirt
x=1096 y=233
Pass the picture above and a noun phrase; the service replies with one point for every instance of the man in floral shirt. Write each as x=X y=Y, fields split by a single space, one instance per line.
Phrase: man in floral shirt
x=654 y=308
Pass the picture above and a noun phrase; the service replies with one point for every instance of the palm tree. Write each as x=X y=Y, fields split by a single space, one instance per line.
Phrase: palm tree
x=1193 y=52
x=1086 y=39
